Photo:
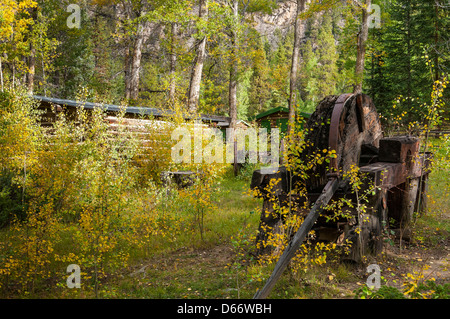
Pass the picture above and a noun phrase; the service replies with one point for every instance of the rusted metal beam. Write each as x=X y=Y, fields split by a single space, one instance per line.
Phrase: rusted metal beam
x=333 y=137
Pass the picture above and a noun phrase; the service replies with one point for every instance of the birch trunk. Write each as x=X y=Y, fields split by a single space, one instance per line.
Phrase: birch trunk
x=197 y=69
x=31 y=69
x=173 y=62
x=32 y=58
x=134 y=61
x=361 y=47
x=294 y=64
x=232 y=90
x=1 y=73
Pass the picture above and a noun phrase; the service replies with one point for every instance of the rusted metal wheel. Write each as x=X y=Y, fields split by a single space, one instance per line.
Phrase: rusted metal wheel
x=348 y=124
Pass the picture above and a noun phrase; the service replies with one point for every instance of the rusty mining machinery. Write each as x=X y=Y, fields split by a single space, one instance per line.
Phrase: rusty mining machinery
x=348 y=124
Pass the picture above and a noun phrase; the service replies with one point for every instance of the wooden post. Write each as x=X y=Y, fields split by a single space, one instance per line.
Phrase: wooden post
x=304 y=229
x=409 y=201
x=235 y=163
x=422 y=196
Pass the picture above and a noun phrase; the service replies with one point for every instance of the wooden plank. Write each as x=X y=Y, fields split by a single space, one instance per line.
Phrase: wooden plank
x=386 y=175
x=398 y=149
x=298 y=238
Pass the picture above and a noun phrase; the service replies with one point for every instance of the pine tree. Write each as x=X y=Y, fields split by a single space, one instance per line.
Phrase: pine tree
x=327 y=56
x=319 y=67
x=415 y=31
x=280 y=64
x=259 y=91
x=376 y=83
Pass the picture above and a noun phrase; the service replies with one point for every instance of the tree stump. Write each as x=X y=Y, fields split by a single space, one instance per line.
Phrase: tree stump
x=181 y=179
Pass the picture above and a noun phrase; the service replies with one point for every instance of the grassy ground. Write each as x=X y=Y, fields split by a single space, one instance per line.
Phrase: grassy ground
x=208 y=269
x=191 y=267
x=204 y=271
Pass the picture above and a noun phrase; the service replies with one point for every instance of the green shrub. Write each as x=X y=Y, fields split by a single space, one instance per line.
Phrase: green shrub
x=425 y=290
x=11 y=203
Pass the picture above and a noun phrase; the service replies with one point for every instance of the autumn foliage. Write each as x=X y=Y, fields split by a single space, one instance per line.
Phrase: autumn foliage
x=78 y=193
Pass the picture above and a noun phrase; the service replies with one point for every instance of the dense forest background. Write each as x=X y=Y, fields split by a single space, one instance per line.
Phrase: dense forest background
x=238 y=54
x=91 y=190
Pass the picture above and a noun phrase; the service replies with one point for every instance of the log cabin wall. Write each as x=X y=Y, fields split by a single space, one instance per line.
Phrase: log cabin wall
x=51 y=107
x=149 y=125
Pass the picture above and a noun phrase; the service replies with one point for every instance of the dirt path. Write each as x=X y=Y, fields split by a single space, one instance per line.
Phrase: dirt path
x=202 y=273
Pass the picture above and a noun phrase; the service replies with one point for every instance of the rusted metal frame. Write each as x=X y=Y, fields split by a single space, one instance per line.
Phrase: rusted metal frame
x=333 y=137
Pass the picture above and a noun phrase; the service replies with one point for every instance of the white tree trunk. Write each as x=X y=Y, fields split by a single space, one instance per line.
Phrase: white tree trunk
x=294 y=64
x=232 y=90
x=134 y=65
x=31 y=70
x=197 y=69
x=173 y=62
x=361 y=48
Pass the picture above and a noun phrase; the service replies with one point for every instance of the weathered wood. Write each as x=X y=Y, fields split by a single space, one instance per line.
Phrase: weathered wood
x=260 y=181
x=355 y=124
x=335 y=128
x=181 y=178
x=422 y=195
x=368 y=239
x=359 y=125
x=398 y=149
x=403 y=185
x=348 y=124
x=409 y=202
x=352 y=138
x=386 y=175
x=268 y=224
x=369 y=155
x=422 y=191
x=317 y=129
x=298 y=238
